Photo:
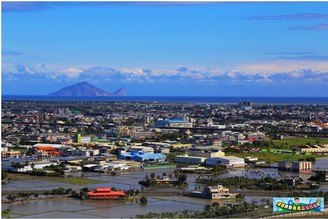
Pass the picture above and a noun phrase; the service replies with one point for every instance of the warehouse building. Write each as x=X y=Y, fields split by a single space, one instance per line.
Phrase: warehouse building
x=228 y=161
x=189 y=159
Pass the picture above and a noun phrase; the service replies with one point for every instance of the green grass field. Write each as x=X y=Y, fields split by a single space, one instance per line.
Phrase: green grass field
x=289 y=142
x=271 y=157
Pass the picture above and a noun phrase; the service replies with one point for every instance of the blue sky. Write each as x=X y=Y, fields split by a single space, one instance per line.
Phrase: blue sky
x=167 y=49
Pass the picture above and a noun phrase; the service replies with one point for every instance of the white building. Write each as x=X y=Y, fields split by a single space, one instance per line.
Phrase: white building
x=6 y=165
x=56 y=146
x=85 y=139
x=141 y=149
x=86 y=152
x=229 y=161
x=297 y=166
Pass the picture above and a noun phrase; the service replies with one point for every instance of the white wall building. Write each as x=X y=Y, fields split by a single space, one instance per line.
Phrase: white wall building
x=85 y=139
x=229 y=161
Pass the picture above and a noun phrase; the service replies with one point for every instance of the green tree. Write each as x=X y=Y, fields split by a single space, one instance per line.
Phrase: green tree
x=4 y=175
x=11 y=198
x=6 y=213
x=182 y=178
x=143 y=200
x=130 y=121
x=68 y=191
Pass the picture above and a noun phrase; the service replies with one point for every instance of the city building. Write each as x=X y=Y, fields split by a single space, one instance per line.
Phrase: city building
x=78 y=138
x=81 y=151
x=10 y=154
x=246 y=105
x=213 y=192
x=142 y=135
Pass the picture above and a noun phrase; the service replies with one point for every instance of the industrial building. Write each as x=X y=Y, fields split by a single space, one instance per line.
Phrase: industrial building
x=228 y=161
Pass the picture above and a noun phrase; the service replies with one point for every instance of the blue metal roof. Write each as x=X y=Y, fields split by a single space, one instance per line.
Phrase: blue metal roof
x=143 y=155
x=175 y=120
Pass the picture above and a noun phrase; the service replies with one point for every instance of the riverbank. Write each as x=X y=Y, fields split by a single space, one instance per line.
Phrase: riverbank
x=257 y=192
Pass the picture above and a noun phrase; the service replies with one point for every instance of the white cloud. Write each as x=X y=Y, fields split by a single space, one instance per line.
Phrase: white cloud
x=274 y=71
x=297 y=74
x=135 y=71
x=231 y=74
x=25 y=69
x=282 y=66
x=71 y=72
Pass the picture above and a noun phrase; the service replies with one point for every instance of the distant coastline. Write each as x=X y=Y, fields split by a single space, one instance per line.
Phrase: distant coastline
x=176 y=99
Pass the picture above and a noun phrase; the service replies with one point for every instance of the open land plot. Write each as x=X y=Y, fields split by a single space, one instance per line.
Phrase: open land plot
x=70 y=180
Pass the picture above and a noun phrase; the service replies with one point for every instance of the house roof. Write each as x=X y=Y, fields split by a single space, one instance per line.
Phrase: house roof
x=45 y=148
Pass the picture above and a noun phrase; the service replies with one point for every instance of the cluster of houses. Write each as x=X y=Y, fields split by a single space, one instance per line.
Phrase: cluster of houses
x=115 y=153
x=96 y=158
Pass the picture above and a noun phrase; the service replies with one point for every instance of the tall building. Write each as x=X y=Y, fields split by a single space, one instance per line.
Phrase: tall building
x=246 y=105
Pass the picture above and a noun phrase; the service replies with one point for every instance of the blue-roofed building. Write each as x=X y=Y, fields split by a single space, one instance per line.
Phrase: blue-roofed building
x=141 y=156
x=173 y=123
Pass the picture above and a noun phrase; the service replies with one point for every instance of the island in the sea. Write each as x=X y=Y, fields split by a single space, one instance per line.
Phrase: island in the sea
x=85 y=89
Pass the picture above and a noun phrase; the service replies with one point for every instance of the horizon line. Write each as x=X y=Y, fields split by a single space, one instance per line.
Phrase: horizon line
x=36 y=95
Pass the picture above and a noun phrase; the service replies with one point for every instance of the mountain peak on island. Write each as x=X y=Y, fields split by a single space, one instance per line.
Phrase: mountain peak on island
x=85 y=89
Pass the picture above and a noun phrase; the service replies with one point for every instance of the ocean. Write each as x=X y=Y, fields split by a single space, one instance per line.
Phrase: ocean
x=178 y=99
